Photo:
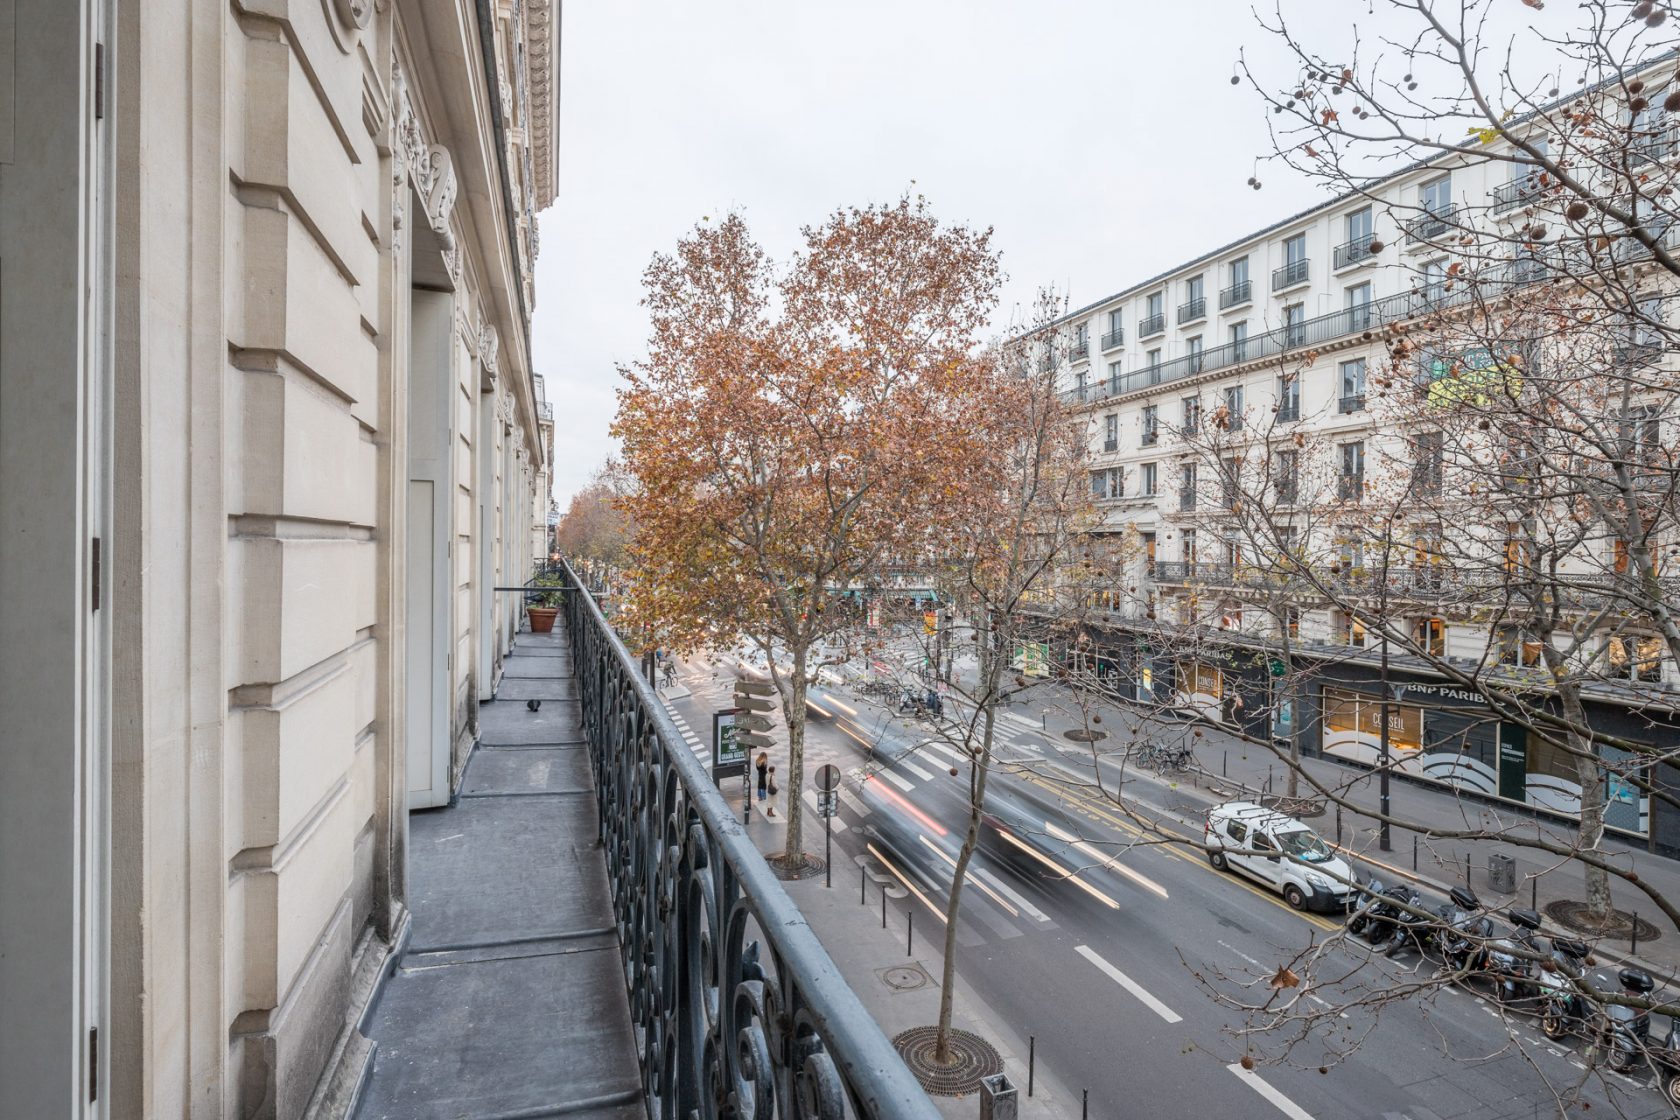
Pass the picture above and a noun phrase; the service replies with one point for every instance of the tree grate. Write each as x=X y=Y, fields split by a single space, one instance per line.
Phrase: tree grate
x=972 y=1058
x=1572 y=915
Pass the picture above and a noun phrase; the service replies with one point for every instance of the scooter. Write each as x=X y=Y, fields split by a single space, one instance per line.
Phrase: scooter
x=1462 y=937
x=1402 y=926
x=1667 y=1060
x=1622 y=1031
x=1562 y=1010
x=1367 y=909
x=1510 y=960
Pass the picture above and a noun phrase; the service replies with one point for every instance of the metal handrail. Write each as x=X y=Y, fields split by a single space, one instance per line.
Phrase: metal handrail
x=731 y=990
x=1291 y=274
x=1235 y=294
x=1191 y=310
x=1154 y=324
x=1350 y=253
x=1115 y=337
x=1080 y=349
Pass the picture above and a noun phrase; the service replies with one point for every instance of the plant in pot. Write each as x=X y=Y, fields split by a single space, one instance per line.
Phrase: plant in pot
x=542 y=603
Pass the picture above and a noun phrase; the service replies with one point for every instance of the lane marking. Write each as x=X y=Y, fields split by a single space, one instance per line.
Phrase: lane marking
x=906 y=764
x=937 y=912
x=970 y=877
x=1112 y=863
x=1130 y=985
x=1260 y=1085
x=894 y=779
x=1032 y=911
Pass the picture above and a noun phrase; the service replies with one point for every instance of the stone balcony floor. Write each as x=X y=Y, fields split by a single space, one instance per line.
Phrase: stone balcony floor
x=510 y=999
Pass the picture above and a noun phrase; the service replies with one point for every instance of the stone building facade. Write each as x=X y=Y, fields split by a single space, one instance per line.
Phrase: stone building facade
x=270 y=439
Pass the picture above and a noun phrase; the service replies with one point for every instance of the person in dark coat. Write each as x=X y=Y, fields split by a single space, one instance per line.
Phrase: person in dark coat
x=773 y=791
x=762 y=762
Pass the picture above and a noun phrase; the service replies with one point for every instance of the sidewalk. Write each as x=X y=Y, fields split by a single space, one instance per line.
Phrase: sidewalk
x=867 y=955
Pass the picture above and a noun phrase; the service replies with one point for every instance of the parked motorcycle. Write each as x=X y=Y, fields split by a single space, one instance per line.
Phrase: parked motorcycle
x=1562 y=1009
x=1667 y=1060
x=1620 y=1031
x=1461 y=938
x=1400 y=925
x=1510 y=960
x=1369 y=900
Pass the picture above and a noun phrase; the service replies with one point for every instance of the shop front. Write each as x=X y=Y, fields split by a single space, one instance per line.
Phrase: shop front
x=1442 y=733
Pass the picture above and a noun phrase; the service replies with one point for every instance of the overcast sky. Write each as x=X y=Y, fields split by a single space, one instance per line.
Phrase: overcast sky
x=1104 y=141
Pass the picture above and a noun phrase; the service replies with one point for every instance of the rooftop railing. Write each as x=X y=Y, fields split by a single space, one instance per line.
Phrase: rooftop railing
x=733 y=995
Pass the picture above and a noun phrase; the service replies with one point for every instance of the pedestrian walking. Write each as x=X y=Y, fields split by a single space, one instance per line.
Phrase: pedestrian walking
x=762 y=762
x=773 y=791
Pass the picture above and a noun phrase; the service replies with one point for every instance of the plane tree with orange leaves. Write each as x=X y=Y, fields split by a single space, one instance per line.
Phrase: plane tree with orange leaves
x=791 y=428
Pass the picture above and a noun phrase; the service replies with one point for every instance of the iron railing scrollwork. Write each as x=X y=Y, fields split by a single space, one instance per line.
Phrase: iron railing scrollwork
x=739 y=1012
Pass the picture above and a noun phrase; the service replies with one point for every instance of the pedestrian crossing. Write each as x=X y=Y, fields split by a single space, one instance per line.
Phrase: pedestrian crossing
x=694 y=741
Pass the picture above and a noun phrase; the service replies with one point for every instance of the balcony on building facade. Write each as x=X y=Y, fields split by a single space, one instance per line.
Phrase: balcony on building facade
x=1290 y=412
x=1518 y=192
x=1350 y=487
x=1350 y=402
x=1079 y=350
x=1192 y=572
x=1291 y=275
x=1191 y=310
x=1236 y=295
x=1153 y=325
x=1637 y=352
x=1323 y=329
x=1151 y=436
x=1431 y=225
x=1350 y=253
x=1114 y=338
x=1111 y=445
x=1654 y=143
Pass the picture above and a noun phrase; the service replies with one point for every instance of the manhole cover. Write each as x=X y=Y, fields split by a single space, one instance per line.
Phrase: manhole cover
x=1572 y=914
x=905 y=977
x=811 y=867
x=972 y=1058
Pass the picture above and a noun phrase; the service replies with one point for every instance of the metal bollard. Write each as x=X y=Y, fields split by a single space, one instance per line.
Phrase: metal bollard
x=863 y=887
x=1414 y=853
x=909 y=931
x=883 y=906
x=1084 y=1104
x=1633 y=937
x=1338 y=826
x=1032 y=1055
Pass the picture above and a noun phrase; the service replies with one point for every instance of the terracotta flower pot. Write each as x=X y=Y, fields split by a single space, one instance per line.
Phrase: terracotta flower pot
x=542 y=618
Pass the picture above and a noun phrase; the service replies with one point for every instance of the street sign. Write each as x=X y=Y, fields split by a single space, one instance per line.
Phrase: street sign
x=751 y=721
x=753 y=704
x=828 y=804
x=753 y=740
x=828 y=778
x=754 y=688
x=729 y=747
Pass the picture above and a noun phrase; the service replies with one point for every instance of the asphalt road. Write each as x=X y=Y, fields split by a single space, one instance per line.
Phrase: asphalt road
x=1131 y=962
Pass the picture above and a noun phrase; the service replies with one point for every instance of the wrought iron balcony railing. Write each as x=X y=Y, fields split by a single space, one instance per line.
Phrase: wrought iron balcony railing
x=1431 y=225
x=731 y=991
x=1291 y=274
x=1509 y=196
x=1151 y=436
x=1288 y=413
x=1350 y=253
x=1351 y=402
x=1080 y=349
x=1114 y=338
x=1154 y=324
x=1236 y=295
x=1191 y=310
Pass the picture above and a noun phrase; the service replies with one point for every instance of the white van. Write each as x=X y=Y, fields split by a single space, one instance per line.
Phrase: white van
x=1278 y=851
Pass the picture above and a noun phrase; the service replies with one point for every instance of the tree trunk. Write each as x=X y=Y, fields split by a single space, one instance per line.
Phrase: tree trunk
x=793 y=710
x=979 y=771
x=1590 y=770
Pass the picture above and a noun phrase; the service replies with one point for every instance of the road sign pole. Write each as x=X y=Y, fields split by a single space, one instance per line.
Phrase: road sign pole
x=828 y=851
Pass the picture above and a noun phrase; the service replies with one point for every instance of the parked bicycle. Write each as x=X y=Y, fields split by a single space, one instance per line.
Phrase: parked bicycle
x=1165 y=756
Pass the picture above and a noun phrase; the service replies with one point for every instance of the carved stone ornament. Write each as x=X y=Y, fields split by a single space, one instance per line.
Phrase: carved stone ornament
x=440 y=192
x=487 y=344
x=354 y=13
